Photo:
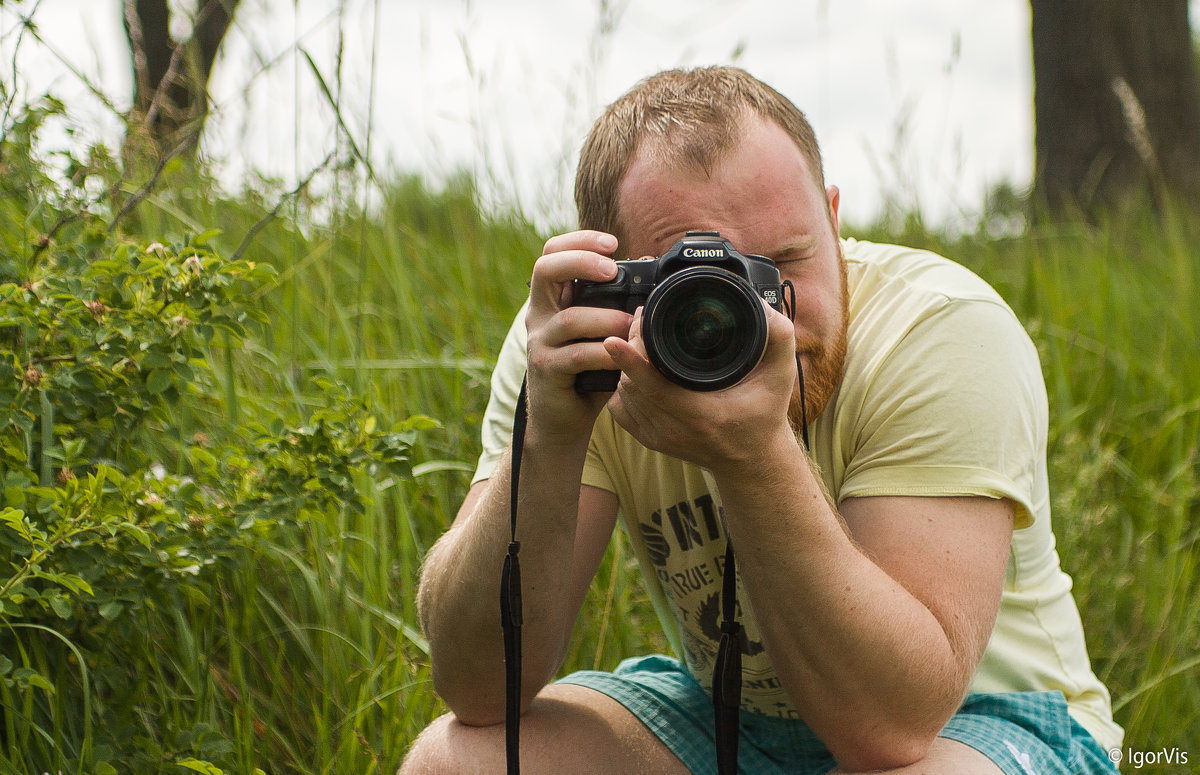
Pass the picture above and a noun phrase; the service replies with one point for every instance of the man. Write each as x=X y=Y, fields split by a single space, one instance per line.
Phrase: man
x=900 y=595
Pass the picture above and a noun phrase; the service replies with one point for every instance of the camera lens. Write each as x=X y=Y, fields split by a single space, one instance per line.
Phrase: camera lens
x=704 y=328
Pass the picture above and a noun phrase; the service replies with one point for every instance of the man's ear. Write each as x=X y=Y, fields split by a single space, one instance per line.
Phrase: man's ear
x=833 y=198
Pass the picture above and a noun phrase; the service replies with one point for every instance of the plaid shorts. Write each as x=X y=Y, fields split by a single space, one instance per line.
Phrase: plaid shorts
x=1025 y=733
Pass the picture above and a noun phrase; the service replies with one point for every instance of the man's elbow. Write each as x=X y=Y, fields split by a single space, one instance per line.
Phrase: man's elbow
x=476 y=703
x=880 y=755
x=476 y=714
x=481 y=703
x=886 y=746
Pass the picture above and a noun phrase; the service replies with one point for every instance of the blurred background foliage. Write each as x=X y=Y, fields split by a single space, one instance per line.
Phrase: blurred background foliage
x=232 y=424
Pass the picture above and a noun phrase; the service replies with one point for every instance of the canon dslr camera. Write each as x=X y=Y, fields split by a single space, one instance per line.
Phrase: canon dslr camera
x=703 y=325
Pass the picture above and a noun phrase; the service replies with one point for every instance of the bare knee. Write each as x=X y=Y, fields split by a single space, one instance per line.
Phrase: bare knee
x=566 y=729
x=947 y=757
x=449 y=747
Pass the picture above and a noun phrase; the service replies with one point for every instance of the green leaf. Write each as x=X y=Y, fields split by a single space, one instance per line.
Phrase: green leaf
x=199 y=766
x=15 y=518
x=41 y=682
x=157 y=359
x=139 y=534
x=110 y=474
x=158 y=381
x=112 y=609
x=31 y=677
x=62 y=606
x=435 y=466
x=419 y=422
x=75 y=583
x=204 y=237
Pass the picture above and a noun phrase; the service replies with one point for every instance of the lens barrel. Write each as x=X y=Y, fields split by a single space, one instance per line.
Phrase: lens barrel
x=704 y=328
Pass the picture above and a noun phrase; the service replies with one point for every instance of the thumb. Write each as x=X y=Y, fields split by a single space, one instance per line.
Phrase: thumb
x=630 y=354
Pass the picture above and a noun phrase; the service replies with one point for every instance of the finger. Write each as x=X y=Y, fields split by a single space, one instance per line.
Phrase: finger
x=629 y=353
x=563 y=364
x=568 y=265
x=554 y=273
x=585 y=323
x=635 y=326
x=781 y=332
x=584 y=239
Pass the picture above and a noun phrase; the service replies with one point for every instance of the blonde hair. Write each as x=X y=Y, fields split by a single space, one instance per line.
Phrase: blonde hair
x=687 y=119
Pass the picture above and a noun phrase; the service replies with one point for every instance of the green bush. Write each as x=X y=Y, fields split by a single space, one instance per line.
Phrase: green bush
x=132 y=490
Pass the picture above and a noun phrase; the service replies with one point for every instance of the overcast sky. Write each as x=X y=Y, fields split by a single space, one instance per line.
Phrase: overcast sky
x=924 y=101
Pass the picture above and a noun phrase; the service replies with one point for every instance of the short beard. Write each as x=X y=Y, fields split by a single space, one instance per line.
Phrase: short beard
x=826 y=368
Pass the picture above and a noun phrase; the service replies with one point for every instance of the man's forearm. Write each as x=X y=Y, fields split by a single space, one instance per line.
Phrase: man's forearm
x=460 y=584
x=867 y=664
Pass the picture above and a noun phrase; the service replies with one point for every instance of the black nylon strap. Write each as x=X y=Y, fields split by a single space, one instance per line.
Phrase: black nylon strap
x=510 y=602
x=510 y=611
x=727 y=671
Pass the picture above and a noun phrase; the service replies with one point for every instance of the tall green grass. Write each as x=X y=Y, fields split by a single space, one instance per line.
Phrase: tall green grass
x=317 y=664
x=1115 y=313
x=411 y=304
x=313 y=661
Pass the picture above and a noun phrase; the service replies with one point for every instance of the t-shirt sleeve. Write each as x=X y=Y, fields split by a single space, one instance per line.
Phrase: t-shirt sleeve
x=496 y=429
x=957 y=407
x=602 y=452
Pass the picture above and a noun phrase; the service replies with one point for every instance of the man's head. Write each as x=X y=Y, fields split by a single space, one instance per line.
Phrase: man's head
x=717 y=150
x=686 y=118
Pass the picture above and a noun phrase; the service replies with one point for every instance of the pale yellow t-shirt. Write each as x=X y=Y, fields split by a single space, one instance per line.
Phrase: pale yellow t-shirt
x=942 y=395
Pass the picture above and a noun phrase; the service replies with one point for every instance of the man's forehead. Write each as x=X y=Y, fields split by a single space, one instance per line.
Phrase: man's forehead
x=763 y=168
x=684 y=148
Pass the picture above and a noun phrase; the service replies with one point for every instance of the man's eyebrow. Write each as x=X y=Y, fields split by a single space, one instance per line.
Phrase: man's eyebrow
x=798 y=246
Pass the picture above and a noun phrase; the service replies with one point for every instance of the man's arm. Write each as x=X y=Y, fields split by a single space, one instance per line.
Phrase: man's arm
x=563 y=528
x=875 y=618
x=875 y=623
x=459 y=596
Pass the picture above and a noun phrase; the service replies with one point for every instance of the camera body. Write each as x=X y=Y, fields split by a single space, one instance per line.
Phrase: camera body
x=703 y=323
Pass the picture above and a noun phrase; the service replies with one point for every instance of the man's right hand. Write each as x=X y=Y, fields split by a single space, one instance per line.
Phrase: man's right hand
x=565 y=340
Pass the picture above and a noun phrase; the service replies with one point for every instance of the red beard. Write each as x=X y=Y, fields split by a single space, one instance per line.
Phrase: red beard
x=826 y=364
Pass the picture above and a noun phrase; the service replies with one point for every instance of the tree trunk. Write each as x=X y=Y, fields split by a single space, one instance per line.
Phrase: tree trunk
x=170 y=98
x=1116 y=103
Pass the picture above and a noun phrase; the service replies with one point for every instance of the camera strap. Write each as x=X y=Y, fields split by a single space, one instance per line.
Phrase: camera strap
x=727 y=670
x=510 y=600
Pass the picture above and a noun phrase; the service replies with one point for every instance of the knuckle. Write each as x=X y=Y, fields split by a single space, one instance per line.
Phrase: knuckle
x=540 y=361
x=569 y=317
x=542 y=265
x=578 y=359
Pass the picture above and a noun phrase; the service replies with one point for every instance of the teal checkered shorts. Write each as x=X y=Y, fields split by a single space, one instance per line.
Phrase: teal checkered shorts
x=1026 y=733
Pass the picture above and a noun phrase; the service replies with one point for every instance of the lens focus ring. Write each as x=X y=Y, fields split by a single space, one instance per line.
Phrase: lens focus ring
x=704 y=328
